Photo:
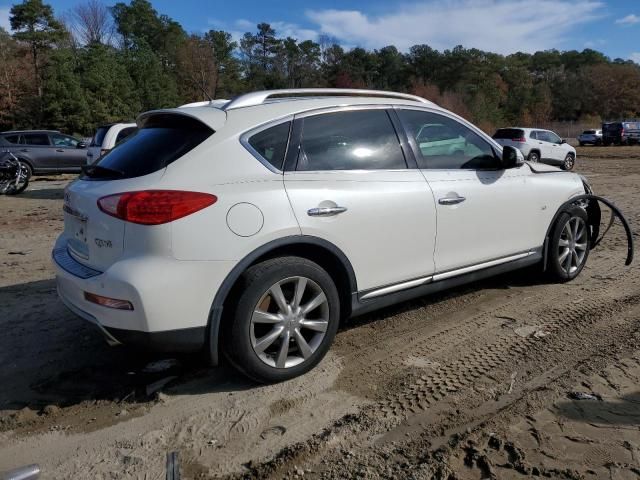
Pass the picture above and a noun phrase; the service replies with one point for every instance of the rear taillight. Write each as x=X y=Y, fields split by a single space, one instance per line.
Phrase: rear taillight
x=154 y=207
x=521 y=139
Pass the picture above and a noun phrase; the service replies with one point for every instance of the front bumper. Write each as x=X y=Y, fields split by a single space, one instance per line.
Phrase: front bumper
x=171 y=299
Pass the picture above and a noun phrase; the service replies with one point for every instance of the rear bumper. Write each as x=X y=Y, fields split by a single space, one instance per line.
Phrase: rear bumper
x=171 y=299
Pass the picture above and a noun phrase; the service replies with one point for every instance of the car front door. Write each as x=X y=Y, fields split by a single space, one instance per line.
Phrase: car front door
x=348 y=183
x=39 y=150
x=485 y=213
x=70 y=157
x=553 y=145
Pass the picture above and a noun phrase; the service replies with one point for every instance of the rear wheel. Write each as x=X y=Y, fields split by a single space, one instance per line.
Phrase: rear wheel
x=569 y=162
x=23 y=180
x=533 y=157
x=569 y=245
x=286 y=316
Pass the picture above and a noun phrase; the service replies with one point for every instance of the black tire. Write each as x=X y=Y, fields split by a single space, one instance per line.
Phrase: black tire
x=556 y=271
x=23 y=186
x=533 y=157
x=569 y=162
x=254 y=285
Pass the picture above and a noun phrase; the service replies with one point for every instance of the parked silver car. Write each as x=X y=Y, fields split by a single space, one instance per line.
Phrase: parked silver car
x=590 y=137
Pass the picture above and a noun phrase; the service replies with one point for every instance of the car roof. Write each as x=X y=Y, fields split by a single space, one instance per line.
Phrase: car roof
x=260 y=107
x=9 y=132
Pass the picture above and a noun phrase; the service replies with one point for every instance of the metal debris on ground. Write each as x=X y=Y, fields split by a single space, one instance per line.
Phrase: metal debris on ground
x=161 y=365
x=584 y=396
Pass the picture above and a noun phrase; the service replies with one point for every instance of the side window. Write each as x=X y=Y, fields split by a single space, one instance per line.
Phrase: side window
x=15 y=139
x=124 y=133
x=355 y=140
x=542 y=136
x=271 y=143
x=533 y=135
x=443 y=143
x=36 y=139
x=63 y=140
x=553 y=138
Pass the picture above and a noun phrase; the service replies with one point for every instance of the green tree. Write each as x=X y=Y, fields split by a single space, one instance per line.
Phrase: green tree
x=33 y=23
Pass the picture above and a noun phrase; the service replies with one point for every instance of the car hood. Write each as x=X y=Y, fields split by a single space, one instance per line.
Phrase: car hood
x=537 y=167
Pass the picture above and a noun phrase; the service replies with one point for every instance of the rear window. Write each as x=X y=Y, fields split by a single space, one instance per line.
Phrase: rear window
x=162 y=140
x=124 y=133
x=98 y=138
x=589 y=132
x=509 y=133
x=612 y=127
x=15 y=139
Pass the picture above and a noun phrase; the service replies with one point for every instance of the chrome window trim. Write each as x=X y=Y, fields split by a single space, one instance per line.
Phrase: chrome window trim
x=244 y=141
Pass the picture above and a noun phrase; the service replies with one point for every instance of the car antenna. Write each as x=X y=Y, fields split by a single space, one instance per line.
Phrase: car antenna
x=204 y=90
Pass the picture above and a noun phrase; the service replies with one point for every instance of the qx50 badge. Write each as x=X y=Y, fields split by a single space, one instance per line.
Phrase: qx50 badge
x=103 y=243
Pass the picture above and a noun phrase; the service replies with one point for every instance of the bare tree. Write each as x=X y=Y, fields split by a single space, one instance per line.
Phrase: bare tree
x=92 y=22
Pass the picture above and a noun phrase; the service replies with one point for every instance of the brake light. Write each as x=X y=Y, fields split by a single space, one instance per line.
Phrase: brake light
x=521 y=139
x=154 y=207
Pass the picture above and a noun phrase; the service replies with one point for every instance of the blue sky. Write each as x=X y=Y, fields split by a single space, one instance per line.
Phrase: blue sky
x=504 y=26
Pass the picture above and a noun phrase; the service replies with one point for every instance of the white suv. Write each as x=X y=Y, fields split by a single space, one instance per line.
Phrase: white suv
x=107 y=137
x=538 y=145
x=252 y=228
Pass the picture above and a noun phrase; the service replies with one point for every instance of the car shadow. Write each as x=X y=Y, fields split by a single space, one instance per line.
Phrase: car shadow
x=43 y=193
x=622 y=411
x=51 y=357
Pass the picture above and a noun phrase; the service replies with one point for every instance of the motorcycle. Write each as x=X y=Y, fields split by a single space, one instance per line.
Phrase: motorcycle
x=14 y=175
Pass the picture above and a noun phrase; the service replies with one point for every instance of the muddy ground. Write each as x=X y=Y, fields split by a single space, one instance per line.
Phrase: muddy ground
x=480 y=382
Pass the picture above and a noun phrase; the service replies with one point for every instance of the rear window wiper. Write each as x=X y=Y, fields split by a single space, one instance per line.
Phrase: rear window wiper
x=98 y=171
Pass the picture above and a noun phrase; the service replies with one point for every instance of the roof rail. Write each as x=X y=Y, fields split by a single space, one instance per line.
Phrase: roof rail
x=258 y=98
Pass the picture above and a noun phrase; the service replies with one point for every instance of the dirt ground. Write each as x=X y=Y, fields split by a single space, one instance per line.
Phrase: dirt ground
x=507 y=378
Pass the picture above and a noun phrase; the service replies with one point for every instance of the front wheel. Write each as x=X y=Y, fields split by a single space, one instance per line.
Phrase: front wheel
x=568 y=245
x=286 y=316
x=569 y=162
x=22 y=182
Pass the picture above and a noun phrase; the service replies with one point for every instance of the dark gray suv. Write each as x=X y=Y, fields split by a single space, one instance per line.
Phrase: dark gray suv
x=45 y=151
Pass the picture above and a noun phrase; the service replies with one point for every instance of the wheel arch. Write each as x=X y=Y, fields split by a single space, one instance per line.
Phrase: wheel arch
x=316 y=249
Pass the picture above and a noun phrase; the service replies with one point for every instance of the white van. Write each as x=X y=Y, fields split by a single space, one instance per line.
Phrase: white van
x=107 y=137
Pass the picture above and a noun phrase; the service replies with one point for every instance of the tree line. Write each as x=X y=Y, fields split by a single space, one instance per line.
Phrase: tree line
x=98 y=64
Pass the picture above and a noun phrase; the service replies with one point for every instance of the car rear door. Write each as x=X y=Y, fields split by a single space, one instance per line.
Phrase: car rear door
x=38 y=147
x=70 y=157
x=484 y=212
x=348 y=183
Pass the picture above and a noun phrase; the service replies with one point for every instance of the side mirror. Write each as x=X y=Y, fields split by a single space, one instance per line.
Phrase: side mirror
x=511 y=157
x=81 y=145
x=562 y=140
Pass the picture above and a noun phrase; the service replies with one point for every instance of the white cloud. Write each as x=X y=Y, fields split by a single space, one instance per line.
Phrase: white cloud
x=495 y=25
x=4 y=18
x=630 y=19
x=635 y=56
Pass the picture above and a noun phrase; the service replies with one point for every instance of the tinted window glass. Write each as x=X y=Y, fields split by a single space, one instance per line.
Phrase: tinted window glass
x=589 y=132
x=612 y=127
x=357 y=140
x=12 y=138
x=533 y=135
x=444 y=143
x=36 y=139
x=63 y=141
x=509 y=133
x=98 y=138
x=162 y=140
x=271 y=143
x=124 y=133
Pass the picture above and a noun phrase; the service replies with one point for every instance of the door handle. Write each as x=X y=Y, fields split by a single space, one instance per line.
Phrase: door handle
x=451 y=200
x=326 y=211
x=24 y=150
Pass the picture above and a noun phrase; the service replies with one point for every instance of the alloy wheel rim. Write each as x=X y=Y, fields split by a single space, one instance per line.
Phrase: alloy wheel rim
x=572 y=247
x=568 y=162
x=289 y=322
